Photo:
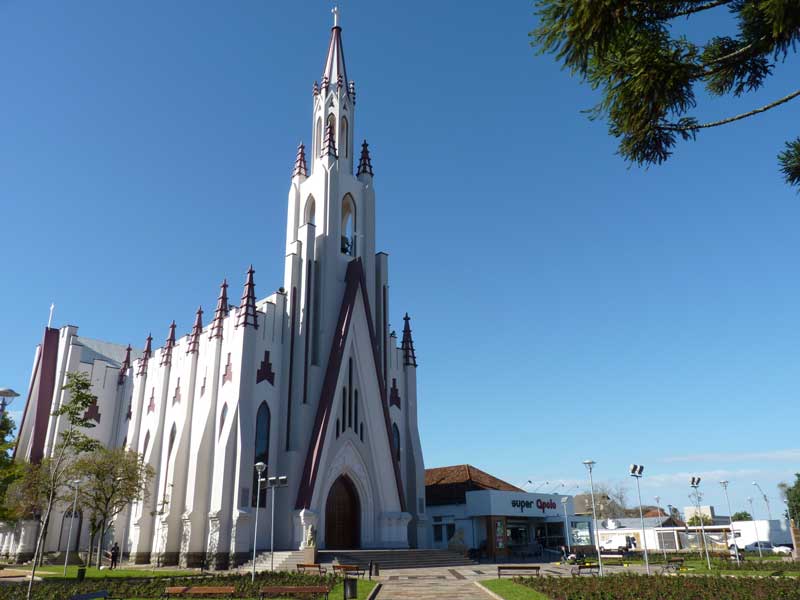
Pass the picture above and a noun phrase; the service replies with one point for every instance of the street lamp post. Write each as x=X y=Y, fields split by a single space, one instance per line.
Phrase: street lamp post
x=755 y=525
x=660 y=540
x=724 y=484
x=564 y=500
x=766 y=500
x=260 y=466
x=76 y=483
x=6 y=395
x=636 y=472
x=589 y=464
x=694 y=482
x=272 y=483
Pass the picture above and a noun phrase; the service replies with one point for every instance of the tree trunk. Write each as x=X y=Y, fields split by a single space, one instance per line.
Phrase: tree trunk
x=100 y=544
x=91 y=547
x=40 y=542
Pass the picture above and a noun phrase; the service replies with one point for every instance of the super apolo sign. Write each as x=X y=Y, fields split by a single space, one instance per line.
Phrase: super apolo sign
x=539 y=504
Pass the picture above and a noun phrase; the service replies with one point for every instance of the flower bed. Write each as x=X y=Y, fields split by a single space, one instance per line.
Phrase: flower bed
x=638 y=587
x=154 y=587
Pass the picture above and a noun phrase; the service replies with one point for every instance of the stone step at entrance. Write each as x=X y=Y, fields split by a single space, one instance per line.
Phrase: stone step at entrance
x=395 y=559
x=285 y=560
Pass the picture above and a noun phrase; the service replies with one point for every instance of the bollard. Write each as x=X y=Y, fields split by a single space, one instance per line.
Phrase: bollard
x=376 y=569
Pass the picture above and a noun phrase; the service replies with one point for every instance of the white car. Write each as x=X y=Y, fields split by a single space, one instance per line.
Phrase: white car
x=767 y=547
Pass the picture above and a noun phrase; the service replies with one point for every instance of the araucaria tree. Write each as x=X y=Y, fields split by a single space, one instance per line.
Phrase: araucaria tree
x=71 y=443
x=9 y=470
x=647 y=74
x=110 y=480
x=791 y=494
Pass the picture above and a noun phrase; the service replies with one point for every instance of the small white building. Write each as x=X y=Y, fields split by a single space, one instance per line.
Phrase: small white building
x=469 y=509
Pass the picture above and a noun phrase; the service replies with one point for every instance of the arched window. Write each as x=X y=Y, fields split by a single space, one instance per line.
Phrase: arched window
x=172 y=434
x=348 y=225
x=332 y=125
x=343 y=143
x=261 y=450
x=223 y=414
x=318 y=137
x=311 y=211
x=396 y=442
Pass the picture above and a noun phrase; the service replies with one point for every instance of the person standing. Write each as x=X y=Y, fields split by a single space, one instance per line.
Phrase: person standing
x=114 y=555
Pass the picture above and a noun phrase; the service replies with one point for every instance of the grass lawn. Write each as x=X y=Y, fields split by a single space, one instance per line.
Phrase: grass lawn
x=509 y=590
x=365 y=586
x=94 y=573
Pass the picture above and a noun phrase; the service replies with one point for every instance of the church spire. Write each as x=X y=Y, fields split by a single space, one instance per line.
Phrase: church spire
x=194 y=337
x=409 y=356
x=221 y=312
x=148 y=352
x=126 y=364
x=166 y=353
x=247 y=310
x=335 y=72
x=365 y=163
x=300 y=168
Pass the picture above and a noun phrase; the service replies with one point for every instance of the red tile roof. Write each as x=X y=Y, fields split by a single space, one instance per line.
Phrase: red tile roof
x=467 y=474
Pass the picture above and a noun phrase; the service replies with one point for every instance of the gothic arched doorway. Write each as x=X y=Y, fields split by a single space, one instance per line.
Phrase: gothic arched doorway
x=342 y=516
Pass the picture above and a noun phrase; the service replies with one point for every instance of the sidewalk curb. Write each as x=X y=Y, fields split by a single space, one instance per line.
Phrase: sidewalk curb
x=374 y=591
x=488 y=591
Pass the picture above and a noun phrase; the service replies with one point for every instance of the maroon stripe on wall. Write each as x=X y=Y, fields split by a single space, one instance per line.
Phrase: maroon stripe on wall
x=44 y=399
x=354 y=278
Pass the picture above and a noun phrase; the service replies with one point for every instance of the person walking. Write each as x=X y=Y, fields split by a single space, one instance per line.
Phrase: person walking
x=114 y=555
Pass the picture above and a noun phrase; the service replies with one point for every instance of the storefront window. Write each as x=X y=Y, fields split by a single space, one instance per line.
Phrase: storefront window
x=517 y=533
x=500 y=539
x=580 y=533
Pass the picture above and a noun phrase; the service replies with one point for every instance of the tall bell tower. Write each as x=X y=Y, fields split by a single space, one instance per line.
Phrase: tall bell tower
x=330 y=221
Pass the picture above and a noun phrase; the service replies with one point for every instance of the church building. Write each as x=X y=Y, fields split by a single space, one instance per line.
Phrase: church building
x=309 y=380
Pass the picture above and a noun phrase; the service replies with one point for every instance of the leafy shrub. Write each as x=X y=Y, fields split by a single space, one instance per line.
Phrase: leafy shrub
x=640 y=587
x=154 y=587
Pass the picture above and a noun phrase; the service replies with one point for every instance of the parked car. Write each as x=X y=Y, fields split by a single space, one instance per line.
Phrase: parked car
x=766 y=547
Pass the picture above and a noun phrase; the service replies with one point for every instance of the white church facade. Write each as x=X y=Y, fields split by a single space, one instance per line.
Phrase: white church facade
x=309 y=380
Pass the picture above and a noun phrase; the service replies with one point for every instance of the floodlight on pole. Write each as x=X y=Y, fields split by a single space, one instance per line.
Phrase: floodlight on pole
x=694 y=482
x=766 y=500
x=260 y=468
x=589 y=464
x=724 y=484
x=6 y=395
x=636 y=472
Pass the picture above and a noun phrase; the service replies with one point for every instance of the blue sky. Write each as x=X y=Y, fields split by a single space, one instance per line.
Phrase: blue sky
x=564 y=305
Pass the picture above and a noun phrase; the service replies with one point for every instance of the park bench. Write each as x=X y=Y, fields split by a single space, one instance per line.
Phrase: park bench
x=348 y=570
x=673 y=565
x=585 y=570
x=311 y=567
x=530 y=570
x=102 y=595
x=199 y=592
x=312 y=591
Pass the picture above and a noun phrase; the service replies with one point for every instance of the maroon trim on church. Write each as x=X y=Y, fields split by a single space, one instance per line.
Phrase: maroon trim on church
x=291 y=371
x=44 y=399
x=247 y=309
x=126 y=364
x=194 y=338
x=394 y=395
x=265 y=372
x=354 y=279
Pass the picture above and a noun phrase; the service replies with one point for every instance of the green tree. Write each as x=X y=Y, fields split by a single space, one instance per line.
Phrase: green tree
x=10 y=471
x=791 y=495
x=647 y=74
x=72 y=442
x=742 y=515
x=110 y=480
x=695 y=520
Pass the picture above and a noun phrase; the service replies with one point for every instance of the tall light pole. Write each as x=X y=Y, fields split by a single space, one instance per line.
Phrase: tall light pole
x=636 y=472
x=76 y=483
x=564 y=500
x=661 y=540
x=272 y=483
x=589 y=464
x=694 y=482
x=766 y=500
x=724 y=484
x=755 y=525
x=260 y=466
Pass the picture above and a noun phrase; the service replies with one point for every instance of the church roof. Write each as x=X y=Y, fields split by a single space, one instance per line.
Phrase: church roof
x=335 y=71
x=100 y=350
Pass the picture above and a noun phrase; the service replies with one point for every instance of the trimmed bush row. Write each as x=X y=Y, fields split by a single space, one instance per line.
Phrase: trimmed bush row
x=154 y=587
x=641 y=587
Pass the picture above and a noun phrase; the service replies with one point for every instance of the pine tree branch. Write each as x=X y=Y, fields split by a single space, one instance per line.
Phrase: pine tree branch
x=756 y=111
x=700 y=8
